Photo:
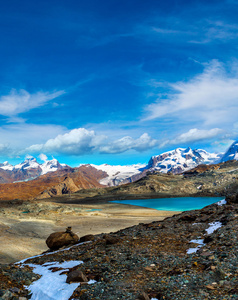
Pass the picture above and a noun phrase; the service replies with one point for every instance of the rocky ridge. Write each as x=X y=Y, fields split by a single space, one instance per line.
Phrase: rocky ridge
x=160 y=260
x=204 y=180
x=65 y=181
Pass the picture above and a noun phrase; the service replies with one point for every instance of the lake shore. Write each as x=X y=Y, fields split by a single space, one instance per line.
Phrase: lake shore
x=24 y=228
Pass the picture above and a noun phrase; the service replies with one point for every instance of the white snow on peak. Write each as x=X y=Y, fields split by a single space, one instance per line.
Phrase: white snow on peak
x=118 y=173
x=31 y=163
x=181 y=159
x=49 y=166
x=231 y=153
x=6 y=166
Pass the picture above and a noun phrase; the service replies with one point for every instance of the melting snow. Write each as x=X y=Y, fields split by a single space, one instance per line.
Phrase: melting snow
x=213 y=226
x=52 y=285
x=194 y=250
x=222 y=202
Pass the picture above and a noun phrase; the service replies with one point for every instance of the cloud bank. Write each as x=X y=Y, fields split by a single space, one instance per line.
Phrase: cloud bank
x=81 y=141
x=194 y=135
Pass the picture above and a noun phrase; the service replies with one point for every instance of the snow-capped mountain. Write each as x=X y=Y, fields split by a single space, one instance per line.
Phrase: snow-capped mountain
x=28 y=169
x=6 y=166
x=51 y=166
x=231 y=153
x=175 y=161
x=117 y=174
x=181 y=159
x=29 y=163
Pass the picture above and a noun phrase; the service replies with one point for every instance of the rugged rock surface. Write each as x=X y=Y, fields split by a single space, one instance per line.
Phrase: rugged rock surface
x=67 y=186
x=151 y=260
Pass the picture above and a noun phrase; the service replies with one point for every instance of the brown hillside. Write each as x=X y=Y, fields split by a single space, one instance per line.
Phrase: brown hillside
x=31 y=189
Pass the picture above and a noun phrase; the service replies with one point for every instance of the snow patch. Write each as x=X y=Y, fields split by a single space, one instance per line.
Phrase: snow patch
x=213 y=227
x=200 y=243
x=52 y=285
x=222 y=202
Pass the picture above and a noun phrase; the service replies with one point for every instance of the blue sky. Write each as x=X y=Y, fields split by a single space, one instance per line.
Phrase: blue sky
x=116 y=81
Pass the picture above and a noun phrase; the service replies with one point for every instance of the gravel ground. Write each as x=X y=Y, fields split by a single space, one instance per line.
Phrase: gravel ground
x=150 y=260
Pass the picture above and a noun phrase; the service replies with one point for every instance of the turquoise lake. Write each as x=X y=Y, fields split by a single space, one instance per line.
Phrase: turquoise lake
x=173 y=204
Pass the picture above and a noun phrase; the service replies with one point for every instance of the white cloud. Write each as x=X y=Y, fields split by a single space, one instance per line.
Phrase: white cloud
x=21 y=101
x=76 y=142
x=43 y=157
x=143 y=143
x=82 y=141
x=20 y=136
x=194 y=135
x=210 y=98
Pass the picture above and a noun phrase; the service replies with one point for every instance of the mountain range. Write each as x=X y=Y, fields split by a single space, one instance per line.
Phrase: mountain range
x=175 y=161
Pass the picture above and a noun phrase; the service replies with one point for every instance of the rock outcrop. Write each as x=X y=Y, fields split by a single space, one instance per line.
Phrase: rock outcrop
x=67 y=186
x=61 y=239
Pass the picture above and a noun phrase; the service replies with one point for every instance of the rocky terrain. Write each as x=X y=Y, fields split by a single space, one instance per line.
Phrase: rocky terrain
x=64 y=181
x=204 y=180
x=192 y=255
x=32 y=179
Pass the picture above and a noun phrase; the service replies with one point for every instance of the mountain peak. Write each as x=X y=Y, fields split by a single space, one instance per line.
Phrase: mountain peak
x=231 y=153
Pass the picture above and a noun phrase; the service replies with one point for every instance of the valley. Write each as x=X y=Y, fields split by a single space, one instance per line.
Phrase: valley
x=78 y=197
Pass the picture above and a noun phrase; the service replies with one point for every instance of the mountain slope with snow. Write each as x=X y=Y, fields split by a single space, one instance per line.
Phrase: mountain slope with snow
x=31 y=163
x=175 y=161
x=231 y=153
x=27 y=170
x=117 y=174
x=181 y=159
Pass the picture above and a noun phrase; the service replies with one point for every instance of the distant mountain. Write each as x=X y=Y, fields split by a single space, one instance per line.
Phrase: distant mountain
x=27 y=170
x=175 y=161
x=231 y=153
x=181 y=159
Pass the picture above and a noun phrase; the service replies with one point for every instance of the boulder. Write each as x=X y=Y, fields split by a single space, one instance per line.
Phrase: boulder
x=87 y=238
x=60 y=239
x=76 y=276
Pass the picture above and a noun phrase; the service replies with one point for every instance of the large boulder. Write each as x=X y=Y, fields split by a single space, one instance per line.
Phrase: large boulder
x=60 y=239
